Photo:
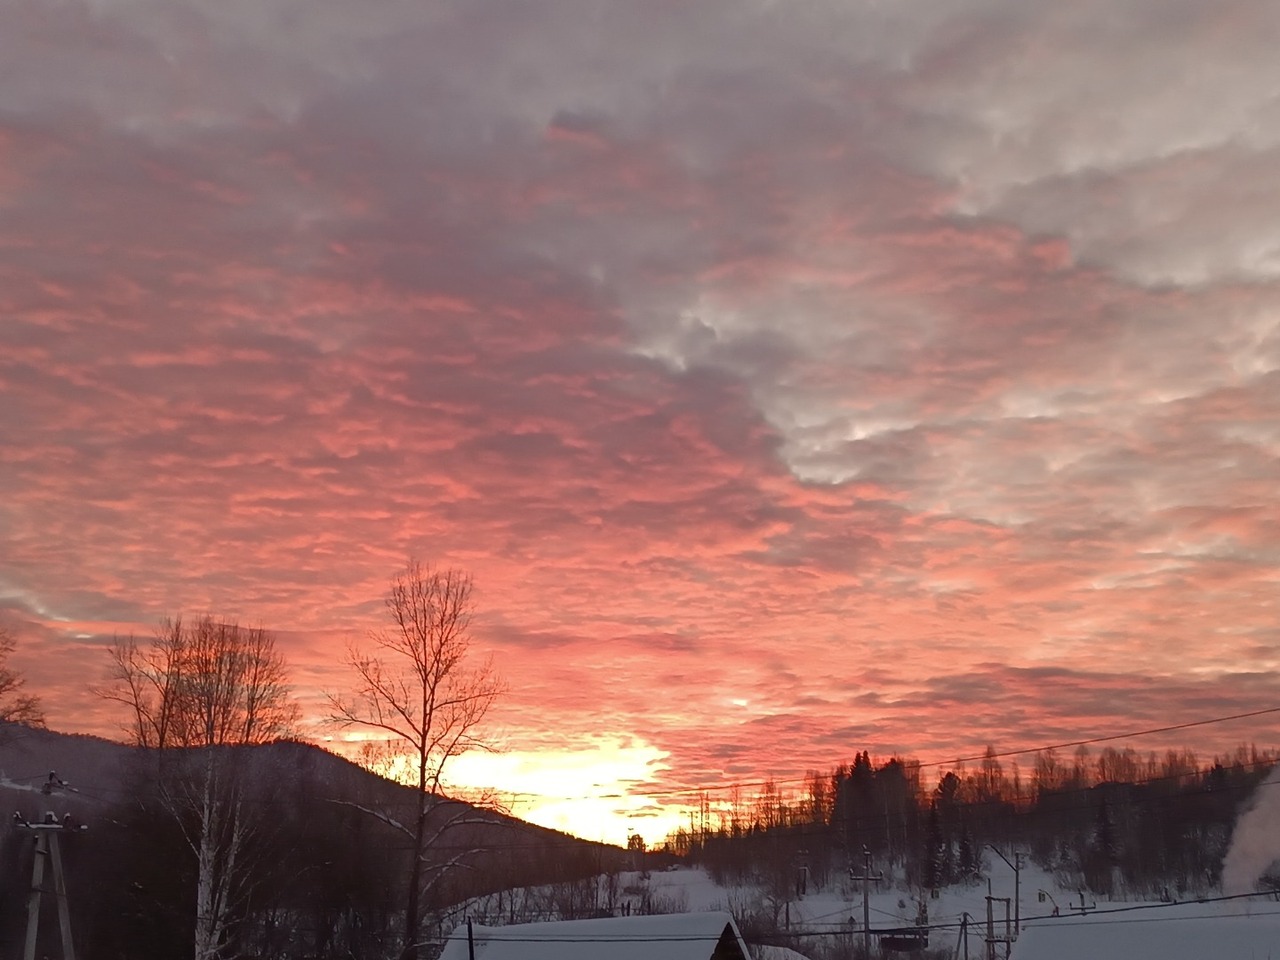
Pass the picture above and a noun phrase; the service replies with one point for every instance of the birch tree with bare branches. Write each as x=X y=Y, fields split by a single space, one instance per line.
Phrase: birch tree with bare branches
x=15 y=706
x=195 y=692
x=415 y=689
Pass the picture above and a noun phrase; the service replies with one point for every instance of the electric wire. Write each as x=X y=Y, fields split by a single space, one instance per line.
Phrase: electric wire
x=1092 y=917
x=1119 y=796
x=998 y=755
x=722 y=788
x=100 y=793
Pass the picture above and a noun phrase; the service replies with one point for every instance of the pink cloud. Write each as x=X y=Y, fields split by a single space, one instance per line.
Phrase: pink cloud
x=759 y=368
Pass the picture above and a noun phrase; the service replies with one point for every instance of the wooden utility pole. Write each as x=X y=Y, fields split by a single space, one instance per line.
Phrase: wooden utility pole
x=46 y=833
x=47 y=848
x=866 y=879
x=991 y=931
x=1017 y=895
x=992 y=939
x=1016 y=866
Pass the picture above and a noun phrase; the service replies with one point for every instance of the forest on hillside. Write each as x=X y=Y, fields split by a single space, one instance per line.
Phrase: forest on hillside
x=325 y=864
x=1112 y=823
x=321 y=867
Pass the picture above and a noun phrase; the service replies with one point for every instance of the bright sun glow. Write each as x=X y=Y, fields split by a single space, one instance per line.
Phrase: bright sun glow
x=595 y=791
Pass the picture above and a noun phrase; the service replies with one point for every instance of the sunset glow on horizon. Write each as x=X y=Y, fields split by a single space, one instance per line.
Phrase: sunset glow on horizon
x=793 y=378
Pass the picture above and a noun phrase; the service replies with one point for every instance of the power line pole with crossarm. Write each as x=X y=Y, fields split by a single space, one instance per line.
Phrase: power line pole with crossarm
x=866 y=879
x=46 y=833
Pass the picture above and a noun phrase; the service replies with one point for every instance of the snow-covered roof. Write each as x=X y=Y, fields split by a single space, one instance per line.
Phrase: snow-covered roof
x=1167 y=934
x=769 y=952
x=673 y=936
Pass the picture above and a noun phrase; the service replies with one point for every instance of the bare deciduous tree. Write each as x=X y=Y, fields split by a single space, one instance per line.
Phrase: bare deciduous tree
x=15 y=706
x=415 y=688
x=204 y=688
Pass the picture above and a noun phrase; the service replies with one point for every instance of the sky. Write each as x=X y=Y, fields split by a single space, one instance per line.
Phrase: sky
x=793 y=377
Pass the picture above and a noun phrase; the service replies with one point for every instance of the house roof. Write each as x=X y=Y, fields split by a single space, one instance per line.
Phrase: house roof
x=771 y=952
x=1171 y=934
x=676 y=936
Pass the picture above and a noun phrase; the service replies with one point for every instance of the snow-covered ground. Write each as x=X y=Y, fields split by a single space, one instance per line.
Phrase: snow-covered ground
x=838 y=906
x=1240 y=928
x=1243 y=929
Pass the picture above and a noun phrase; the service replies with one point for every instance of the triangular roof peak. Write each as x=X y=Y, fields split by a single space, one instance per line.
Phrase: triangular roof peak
x=670 y=936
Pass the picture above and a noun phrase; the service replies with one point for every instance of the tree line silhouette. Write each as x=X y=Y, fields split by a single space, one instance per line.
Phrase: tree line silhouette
x=1113 y=822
